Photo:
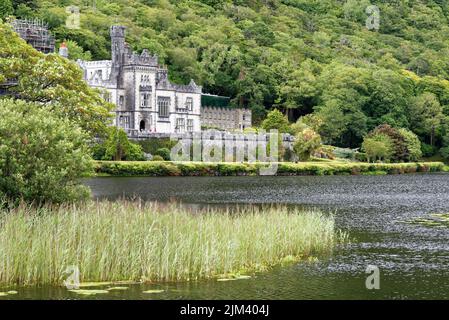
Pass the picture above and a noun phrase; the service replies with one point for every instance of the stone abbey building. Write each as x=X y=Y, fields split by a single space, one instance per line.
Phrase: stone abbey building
x=147 y=102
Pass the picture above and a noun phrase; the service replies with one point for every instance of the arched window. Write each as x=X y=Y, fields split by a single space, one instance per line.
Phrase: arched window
x=142 y=126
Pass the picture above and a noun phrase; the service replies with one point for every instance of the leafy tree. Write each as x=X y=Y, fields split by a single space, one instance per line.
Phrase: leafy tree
x=41 y=155
x=118 y=147
x=276 y=120
x=52 y=81
x=426 y=115
x=76 y=52
x=306 y=143
x=413 y=144
x=400 y=152
x=6 y=8
x=445 y=153
x=378 y=147
x=299 y=89
x=23 y=11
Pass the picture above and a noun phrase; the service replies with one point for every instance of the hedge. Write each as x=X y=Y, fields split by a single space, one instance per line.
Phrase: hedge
x=166 y=168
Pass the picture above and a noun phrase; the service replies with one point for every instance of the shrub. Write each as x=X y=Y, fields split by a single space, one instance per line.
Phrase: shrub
x=327 y=152
x=344 y=153
x=306 y=143
x=151 y=145
x=276 y=120
x=118 y=147
x=399 y=151
x=378 y=147
x=164 y=153
x=41 y=155
x=412 y=143
x=360 y=156
x=157 y=158
x=135 y=153
x=98 y=151
x=445 y=153
x=428 y=150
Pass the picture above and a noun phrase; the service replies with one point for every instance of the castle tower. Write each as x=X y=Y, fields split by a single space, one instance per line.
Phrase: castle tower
x=117 y=44
x=118 y=50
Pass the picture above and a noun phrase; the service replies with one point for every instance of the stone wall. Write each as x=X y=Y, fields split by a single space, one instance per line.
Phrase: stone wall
x=238 y=147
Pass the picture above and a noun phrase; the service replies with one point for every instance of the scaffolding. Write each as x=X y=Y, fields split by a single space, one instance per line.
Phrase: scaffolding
x=35 y=33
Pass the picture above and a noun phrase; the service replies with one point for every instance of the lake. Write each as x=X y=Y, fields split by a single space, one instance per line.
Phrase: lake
x=413 y=259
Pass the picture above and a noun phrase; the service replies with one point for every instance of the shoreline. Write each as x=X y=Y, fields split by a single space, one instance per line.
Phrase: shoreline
x=204 y=169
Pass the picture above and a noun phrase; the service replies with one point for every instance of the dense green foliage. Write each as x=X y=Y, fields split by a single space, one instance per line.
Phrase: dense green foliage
x=275 y=120
x=300 y=56
x=164 y=153
x=165 y=168
x=41 y=155
x=151 y=145
x=390 y=144
x=117 y=146
x=6 y=8
x=51 y=80
x=412 y=143
x=378 y=147
x=306 y=143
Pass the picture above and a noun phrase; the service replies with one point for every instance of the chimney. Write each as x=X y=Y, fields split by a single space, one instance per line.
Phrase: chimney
x=63 y=50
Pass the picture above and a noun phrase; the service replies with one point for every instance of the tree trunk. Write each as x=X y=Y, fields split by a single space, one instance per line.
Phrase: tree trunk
x=432 y=136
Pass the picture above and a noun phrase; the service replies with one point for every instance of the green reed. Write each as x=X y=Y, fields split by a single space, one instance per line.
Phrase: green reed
x=133 y=240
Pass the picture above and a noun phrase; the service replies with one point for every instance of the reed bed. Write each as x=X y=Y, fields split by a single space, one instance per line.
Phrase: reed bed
x=151 y=242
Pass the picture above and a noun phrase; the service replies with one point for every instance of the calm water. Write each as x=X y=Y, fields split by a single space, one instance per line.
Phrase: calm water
x=413 y=259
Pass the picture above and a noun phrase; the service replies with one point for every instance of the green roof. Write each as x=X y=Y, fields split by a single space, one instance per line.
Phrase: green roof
x=215 y=101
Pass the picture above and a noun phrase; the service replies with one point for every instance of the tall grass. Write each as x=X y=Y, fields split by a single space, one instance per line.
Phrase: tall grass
x=111 y=241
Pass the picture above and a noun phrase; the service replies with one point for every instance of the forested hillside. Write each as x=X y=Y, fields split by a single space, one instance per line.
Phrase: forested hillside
x=313 y=58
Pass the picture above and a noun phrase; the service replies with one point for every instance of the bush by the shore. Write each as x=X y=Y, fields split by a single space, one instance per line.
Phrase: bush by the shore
x=42 y=155
x=165 y=168
x=115 y=241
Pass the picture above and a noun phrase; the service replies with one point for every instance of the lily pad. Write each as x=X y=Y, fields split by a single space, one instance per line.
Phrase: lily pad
x=89 y=292
x=154 y=291
x=127 y=282
x=226 y=279
x=436 y=220
x=94 y=284
x=7 y=293
x=235 y=277
x=117 y=288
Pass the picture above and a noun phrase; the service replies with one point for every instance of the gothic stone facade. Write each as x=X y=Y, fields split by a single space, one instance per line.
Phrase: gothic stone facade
x=146 y=100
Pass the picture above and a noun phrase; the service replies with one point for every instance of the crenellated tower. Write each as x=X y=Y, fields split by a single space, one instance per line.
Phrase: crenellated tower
x=117 y=51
